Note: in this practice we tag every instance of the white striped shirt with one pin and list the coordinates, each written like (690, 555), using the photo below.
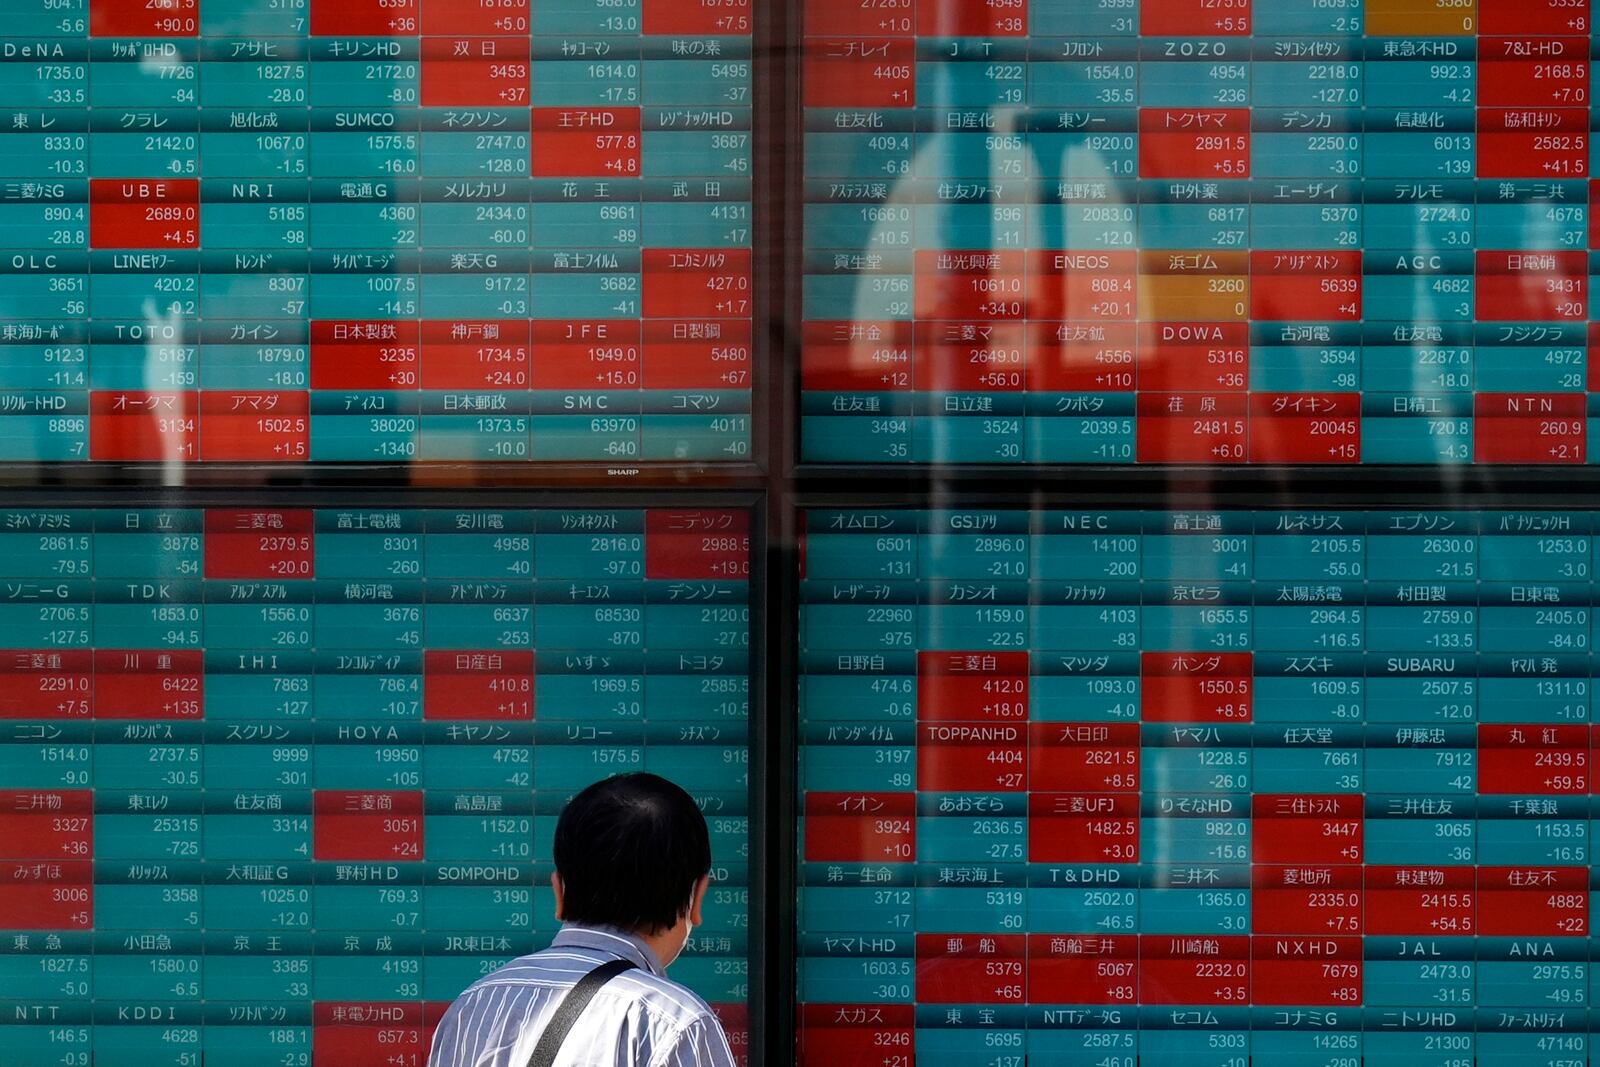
(638, 1019)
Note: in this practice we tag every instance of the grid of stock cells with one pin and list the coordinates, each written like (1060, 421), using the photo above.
(1105, 787)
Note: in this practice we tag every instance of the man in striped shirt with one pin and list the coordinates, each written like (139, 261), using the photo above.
(633, 861)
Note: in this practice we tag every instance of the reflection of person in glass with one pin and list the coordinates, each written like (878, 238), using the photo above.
(633, 862)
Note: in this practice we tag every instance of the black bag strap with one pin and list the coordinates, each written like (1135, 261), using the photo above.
(572, 1005)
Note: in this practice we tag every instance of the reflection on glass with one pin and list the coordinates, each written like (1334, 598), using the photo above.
(376, 231)
(1195, 232)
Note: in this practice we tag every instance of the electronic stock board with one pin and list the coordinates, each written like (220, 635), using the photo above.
(1098, 787)
(1197, 232)
(276, 784)
(375, 231)
(1076, 786)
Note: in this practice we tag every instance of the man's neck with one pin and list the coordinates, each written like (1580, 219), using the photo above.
(664, 943)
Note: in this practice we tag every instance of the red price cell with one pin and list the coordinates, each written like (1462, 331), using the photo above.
(1306, 900)
(46, 684)
(1530, 428)
(859, 357)
(1208, 687)
(1592, 355)
(144, 18)
(697, 544)
(1200, 357)
(1533, 758)
(697, 354)
(1323, 971)
(1192, 428)
(144, 213)
(1069, 357)
(970, 285)
(698, 18)
(1529, 142)
(860, 72)
(1533, 16)
(1194, 970)
(972, 357)
(1533, 902)
(972, 18)
(479, 18)
(735, 1020)
(134, 426)
(971, 968)
(975, 757)
(1083, 968)
(1194, 18)
(1305, 427)
(255, 427)
(1411, 901)
(253, 545)
(475, 354)
(1532, 286)
(1533, 71)
(1194, 142)
(861, 827)
(1088, 757)
(980, 686)
(490, 685)
(586, 142)
(1083, 827)
(1307, 828)
(50, 895)
(370, 1033)
(876, 18)
(476, 71)
(367, 18)
(165, 684)
(47, 824)
(367, 825)
(1300, 286)
(365, 354)
(1082, 286)
(705, 283)
(856, 1035)
(594, 355)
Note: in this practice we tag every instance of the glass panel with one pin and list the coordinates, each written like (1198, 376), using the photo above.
(1214, 232)
(376, 231)
(277, 784)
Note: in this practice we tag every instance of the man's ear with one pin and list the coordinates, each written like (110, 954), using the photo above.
(561, 895)
(697, 901)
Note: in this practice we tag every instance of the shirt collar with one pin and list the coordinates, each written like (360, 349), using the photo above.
(612, 939)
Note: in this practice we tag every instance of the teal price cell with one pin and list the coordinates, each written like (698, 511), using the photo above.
(479, 908)
(360, 977)
(1418, 840)
(363, 626)
(572, 767)
(386, 691)
(479, 767)
(257, 838)
(478, 839)
(1181, 911)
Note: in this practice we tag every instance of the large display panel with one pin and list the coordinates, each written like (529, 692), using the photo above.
(277, 783)
(1202, 787)
(1197, 232)
(284, 231)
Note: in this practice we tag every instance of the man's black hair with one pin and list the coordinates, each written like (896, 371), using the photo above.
(630, 850)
